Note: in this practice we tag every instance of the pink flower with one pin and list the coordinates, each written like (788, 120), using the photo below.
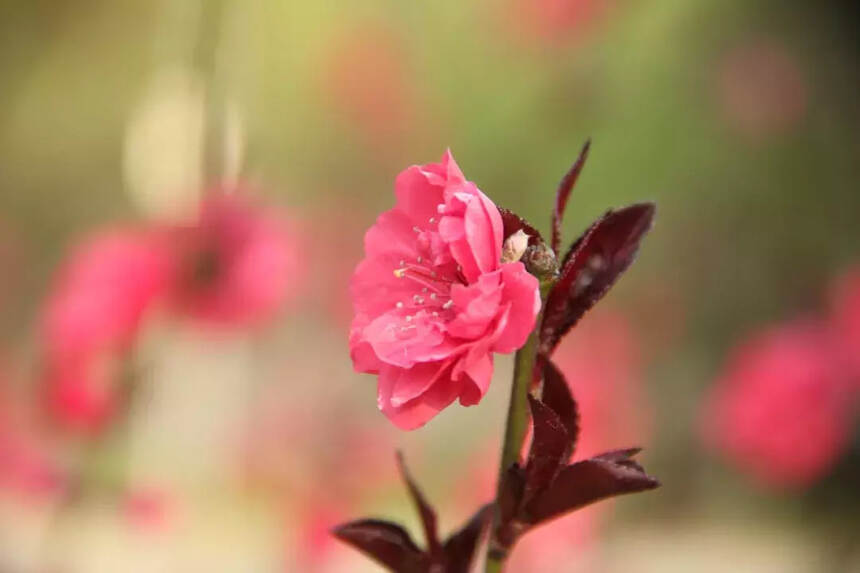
(432, 299)
(148, 509)
(781, 409)
(554, 20)
(91, 317)
(236, 265)
(26, 466)
(103, 291)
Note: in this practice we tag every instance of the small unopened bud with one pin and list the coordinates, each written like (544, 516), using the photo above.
(541, 262)
(515, 247)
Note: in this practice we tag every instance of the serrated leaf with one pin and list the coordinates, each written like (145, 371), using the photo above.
(425, 511)
(591, 268)
(550, 443)
(586, 482)
(557, 395)
(460, 547)
(386, 543)
(563, 194)
(513, 223)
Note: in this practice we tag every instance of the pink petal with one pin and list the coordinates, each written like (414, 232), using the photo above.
(402, 340)
(418, 195)
(484, 231)
(477, 306)
(364, 359)
(412, 414)
(413, 382)
(522, 290)
(479, 373)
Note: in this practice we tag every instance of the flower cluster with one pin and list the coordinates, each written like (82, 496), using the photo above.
(231, 267)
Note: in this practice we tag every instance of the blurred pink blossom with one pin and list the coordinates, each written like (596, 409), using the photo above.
(555, 20)
(316, 550)
(432, 300)
(762, 89)
(91, 317)
(781, 409)
(237, 264)
(148, 509)
(27, 467)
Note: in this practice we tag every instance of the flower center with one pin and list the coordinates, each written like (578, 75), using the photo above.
(434, 284)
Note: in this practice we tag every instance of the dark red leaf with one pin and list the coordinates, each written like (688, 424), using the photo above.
(550, 443)
(599, 258)
(563, 193)
(513, 223)
(460, 546)
(620, 456)
(586, 482)
(385, 542)
(428, 515)
(556, 394)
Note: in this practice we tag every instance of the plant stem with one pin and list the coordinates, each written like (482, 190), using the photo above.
(515, 426)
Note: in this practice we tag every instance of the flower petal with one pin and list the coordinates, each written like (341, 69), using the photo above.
(522, 290)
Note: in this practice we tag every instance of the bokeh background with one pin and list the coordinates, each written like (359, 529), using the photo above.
(148, 432)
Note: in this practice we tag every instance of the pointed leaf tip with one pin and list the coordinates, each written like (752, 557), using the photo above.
(549, 446)
(563, 194)
(557, 395)
(425, 510)
(460, 546)
(385, 542)
(588, 481)
(590, 268)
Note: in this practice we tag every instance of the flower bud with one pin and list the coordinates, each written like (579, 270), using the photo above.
(541, 262)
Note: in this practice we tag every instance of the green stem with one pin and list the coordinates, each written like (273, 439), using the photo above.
(515, 428)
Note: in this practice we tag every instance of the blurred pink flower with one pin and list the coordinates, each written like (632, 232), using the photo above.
(316, 548)
(147, 509)
(103, 290)
(83, 393)
(90, 319)
(762, 89)
(432, 299)
(27, 468)
(555, 20)
(237, 264)
(781, 410)
(846, 319)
